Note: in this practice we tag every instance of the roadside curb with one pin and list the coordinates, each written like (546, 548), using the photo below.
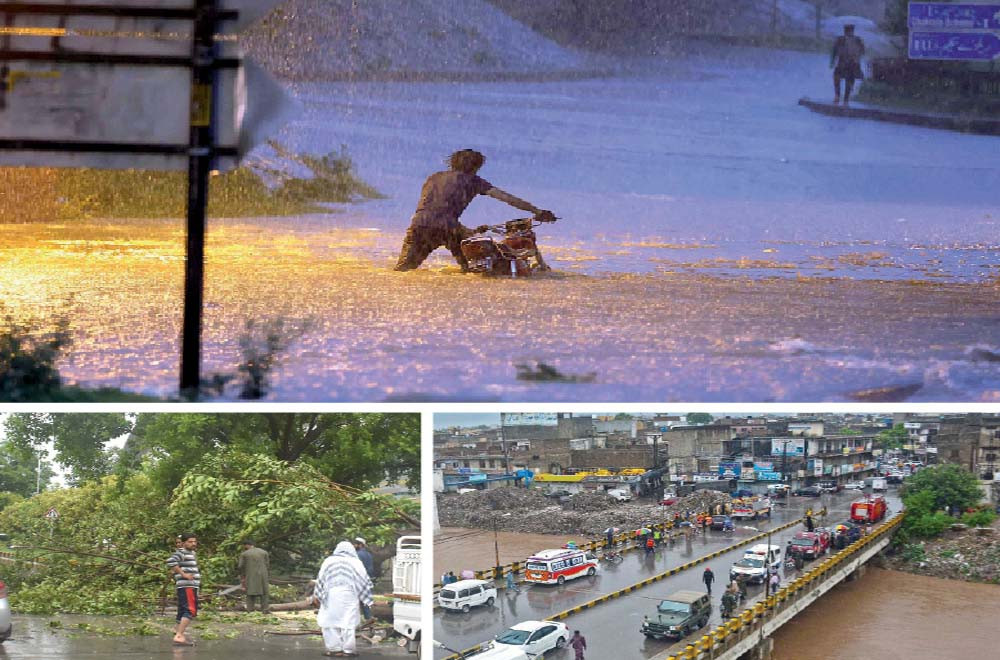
(979, 126)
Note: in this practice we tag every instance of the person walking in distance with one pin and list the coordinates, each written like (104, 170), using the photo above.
(708, 577)
(183, 565)
(845, 59)
(579, 644)
(254, 569)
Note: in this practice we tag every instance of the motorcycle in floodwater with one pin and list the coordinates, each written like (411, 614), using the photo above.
(516, 254)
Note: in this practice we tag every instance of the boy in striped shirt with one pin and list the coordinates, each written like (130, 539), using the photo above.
(183, 565)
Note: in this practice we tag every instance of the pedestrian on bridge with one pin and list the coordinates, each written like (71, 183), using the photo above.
(512, 583)
(649, 546)
(810, 525)
(708, 577)
(579, 643)
(610, 534)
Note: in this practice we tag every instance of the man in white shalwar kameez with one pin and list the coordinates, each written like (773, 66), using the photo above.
(341, 586)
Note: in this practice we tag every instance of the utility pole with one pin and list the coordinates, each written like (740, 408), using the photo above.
(496, 543)
(38, 475)
(503, 445)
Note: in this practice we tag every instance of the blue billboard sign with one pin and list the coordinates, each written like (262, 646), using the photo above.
(768, 476)
(967, 46)
(729, 470)
(953, 16)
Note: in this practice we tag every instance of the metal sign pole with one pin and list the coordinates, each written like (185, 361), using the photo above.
(200, 157)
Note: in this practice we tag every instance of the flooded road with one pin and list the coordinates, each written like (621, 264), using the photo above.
(35, 639)
(894, 616)
(718, 243)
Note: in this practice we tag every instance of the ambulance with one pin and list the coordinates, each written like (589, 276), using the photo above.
(557, 566)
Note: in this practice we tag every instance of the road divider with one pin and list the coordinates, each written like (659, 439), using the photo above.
(565, 614)
(744, 623)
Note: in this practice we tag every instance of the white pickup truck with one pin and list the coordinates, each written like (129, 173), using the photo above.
(406, 591)
(620, 494)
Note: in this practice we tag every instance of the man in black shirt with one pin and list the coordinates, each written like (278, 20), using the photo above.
(443, 198)
(847, 52)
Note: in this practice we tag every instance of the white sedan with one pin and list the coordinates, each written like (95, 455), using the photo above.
(535, 637)
(855, 485)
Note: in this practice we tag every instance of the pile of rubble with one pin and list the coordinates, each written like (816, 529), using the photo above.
(588, 514)
(962, 554)
(589, 501)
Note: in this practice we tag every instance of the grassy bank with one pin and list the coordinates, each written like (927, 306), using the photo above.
(49, 194)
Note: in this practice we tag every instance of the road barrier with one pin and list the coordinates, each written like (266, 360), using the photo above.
(565, 614)
(630, 541)
(743, 631)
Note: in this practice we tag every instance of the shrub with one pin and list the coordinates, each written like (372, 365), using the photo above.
(980, 518)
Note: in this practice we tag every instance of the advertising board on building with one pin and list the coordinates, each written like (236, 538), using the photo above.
(789, 446)
(529, 419)
(729, 470)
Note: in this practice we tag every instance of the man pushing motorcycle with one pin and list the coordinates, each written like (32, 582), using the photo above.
(445, 195)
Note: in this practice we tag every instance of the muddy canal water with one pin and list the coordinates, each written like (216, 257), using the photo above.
(888, 615)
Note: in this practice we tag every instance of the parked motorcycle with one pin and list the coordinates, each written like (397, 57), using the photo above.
(613, 557)
(514, 255)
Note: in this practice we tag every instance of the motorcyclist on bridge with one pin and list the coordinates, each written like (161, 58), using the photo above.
(444, 197)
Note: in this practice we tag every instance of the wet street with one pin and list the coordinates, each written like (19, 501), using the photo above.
(35, 639)
(612, 628)
(717, 243)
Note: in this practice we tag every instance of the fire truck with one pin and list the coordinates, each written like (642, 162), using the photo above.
(869, 510)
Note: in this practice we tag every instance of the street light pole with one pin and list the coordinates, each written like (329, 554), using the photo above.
(496, 542)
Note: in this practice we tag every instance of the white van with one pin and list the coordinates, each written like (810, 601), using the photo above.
(465, 594)
(557, 566)
(757, 563)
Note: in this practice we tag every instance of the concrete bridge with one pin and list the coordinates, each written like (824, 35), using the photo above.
(747, 634)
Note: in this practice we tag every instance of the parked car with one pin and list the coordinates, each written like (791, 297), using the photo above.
(5, 617)
(558, 494)
(810, 544)
(534, 637)
(855, 485)
(668, 500)
(808, 491)
(830, 486)
(722, 522)
(741, 492)
(466, 594)
(678, 615)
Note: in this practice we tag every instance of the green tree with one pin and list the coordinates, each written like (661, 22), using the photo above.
(79, 439)
(20, 471)
(895, 16)
(621, 416)
(941, 487)
(359, 450)
(893, 438)
(106, 551)
(699, 418)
